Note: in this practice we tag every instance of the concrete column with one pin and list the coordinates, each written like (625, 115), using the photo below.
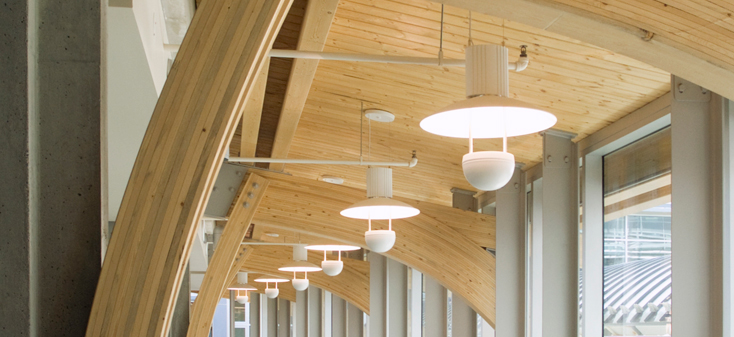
(284, 317)
(338, 317)
(302, 314)
(559, 223)
(52, 197)
(434, 308)
(510, 272)
(378, 297)
(696, 127)
(255, 314)
(314, 312)
(463, 318)
(180, 319)
(355, 321)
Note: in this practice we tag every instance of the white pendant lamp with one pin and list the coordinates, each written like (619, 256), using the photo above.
(241, 285)
(334, 267)
(271, 292)
(488, 112)
(379, 206)
(300, 264)
(300, 284)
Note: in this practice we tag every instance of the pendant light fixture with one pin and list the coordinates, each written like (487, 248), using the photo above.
(333, 267)
(379, 206)
(241, 285)
(488, 112)
(271, 292)
(300, 264)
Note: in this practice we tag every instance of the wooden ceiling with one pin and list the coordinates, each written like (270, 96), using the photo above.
(586, 87)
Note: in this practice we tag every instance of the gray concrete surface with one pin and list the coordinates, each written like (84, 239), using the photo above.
(50, 180)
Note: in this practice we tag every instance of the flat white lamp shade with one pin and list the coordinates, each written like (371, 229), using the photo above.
(332, 268)
(272, 292)
(488, 170)
(379, 241)
(300, 266)
(380, 209)
(300, 284)
(488, 116)
(333, 248)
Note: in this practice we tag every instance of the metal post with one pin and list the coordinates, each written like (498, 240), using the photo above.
(510, 272)
(696, 224)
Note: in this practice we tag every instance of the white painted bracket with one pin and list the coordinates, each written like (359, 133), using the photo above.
(684, 91)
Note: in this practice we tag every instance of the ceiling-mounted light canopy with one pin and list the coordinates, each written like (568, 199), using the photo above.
(379, 206)
(488, 112)
(241, 283)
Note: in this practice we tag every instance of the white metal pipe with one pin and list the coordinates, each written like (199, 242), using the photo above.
(363, 57)
(410, 163)
(520, 65)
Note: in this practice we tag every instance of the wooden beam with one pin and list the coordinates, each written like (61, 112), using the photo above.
(426, 242)
(242, 257)
(352, 284)
(180, 156)
(251, 115)
(314, 30)
(219, 273)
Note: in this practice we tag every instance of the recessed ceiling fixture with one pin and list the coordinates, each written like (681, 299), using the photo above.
(271, 292)
(300, 264)
(379, 206)
(488, 112)
(332, 268)
(241, 285)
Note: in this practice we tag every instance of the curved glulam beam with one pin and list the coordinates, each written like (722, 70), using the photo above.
(426, 242)
(183, 148)
(352, 284)
(227, 254)
(690, 58)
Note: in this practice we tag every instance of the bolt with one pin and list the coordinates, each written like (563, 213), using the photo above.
(550, 159)
(231, 189)
(681, 87)
(214, 189)
(250, 195)
(517, 185)
(239, 173)
(255, 185)
(565, 159)
(246, 204)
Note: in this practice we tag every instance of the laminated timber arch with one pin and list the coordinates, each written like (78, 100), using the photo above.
(690, 39)
(427, 242)
(183, 148)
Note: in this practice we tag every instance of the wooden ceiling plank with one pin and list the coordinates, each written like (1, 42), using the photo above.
(252, 112)
(180, 155)
(218, 273)
(314, 30)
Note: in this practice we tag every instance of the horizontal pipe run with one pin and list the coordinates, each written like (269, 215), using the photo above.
(518, 66)
(410, 163)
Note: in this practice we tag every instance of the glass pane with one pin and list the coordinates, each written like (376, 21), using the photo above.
(637, 239)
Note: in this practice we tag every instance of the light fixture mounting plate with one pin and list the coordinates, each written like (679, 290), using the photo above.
(378, 115)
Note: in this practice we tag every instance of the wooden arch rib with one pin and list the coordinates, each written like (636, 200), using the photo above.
(182, 151)
(352, 285)
(675, 38)
(427, 242)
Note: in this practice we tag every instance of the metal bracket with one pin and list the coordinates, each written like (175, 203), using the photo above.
(556, 150)
(224, 191)
(684, 91)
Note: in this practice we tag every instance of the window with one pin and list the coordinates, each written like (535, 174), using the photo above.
(637, 238)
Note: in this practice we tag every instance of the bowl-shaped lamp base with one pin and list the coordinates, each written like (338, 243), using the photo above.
(379, 241)
(488, 170)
